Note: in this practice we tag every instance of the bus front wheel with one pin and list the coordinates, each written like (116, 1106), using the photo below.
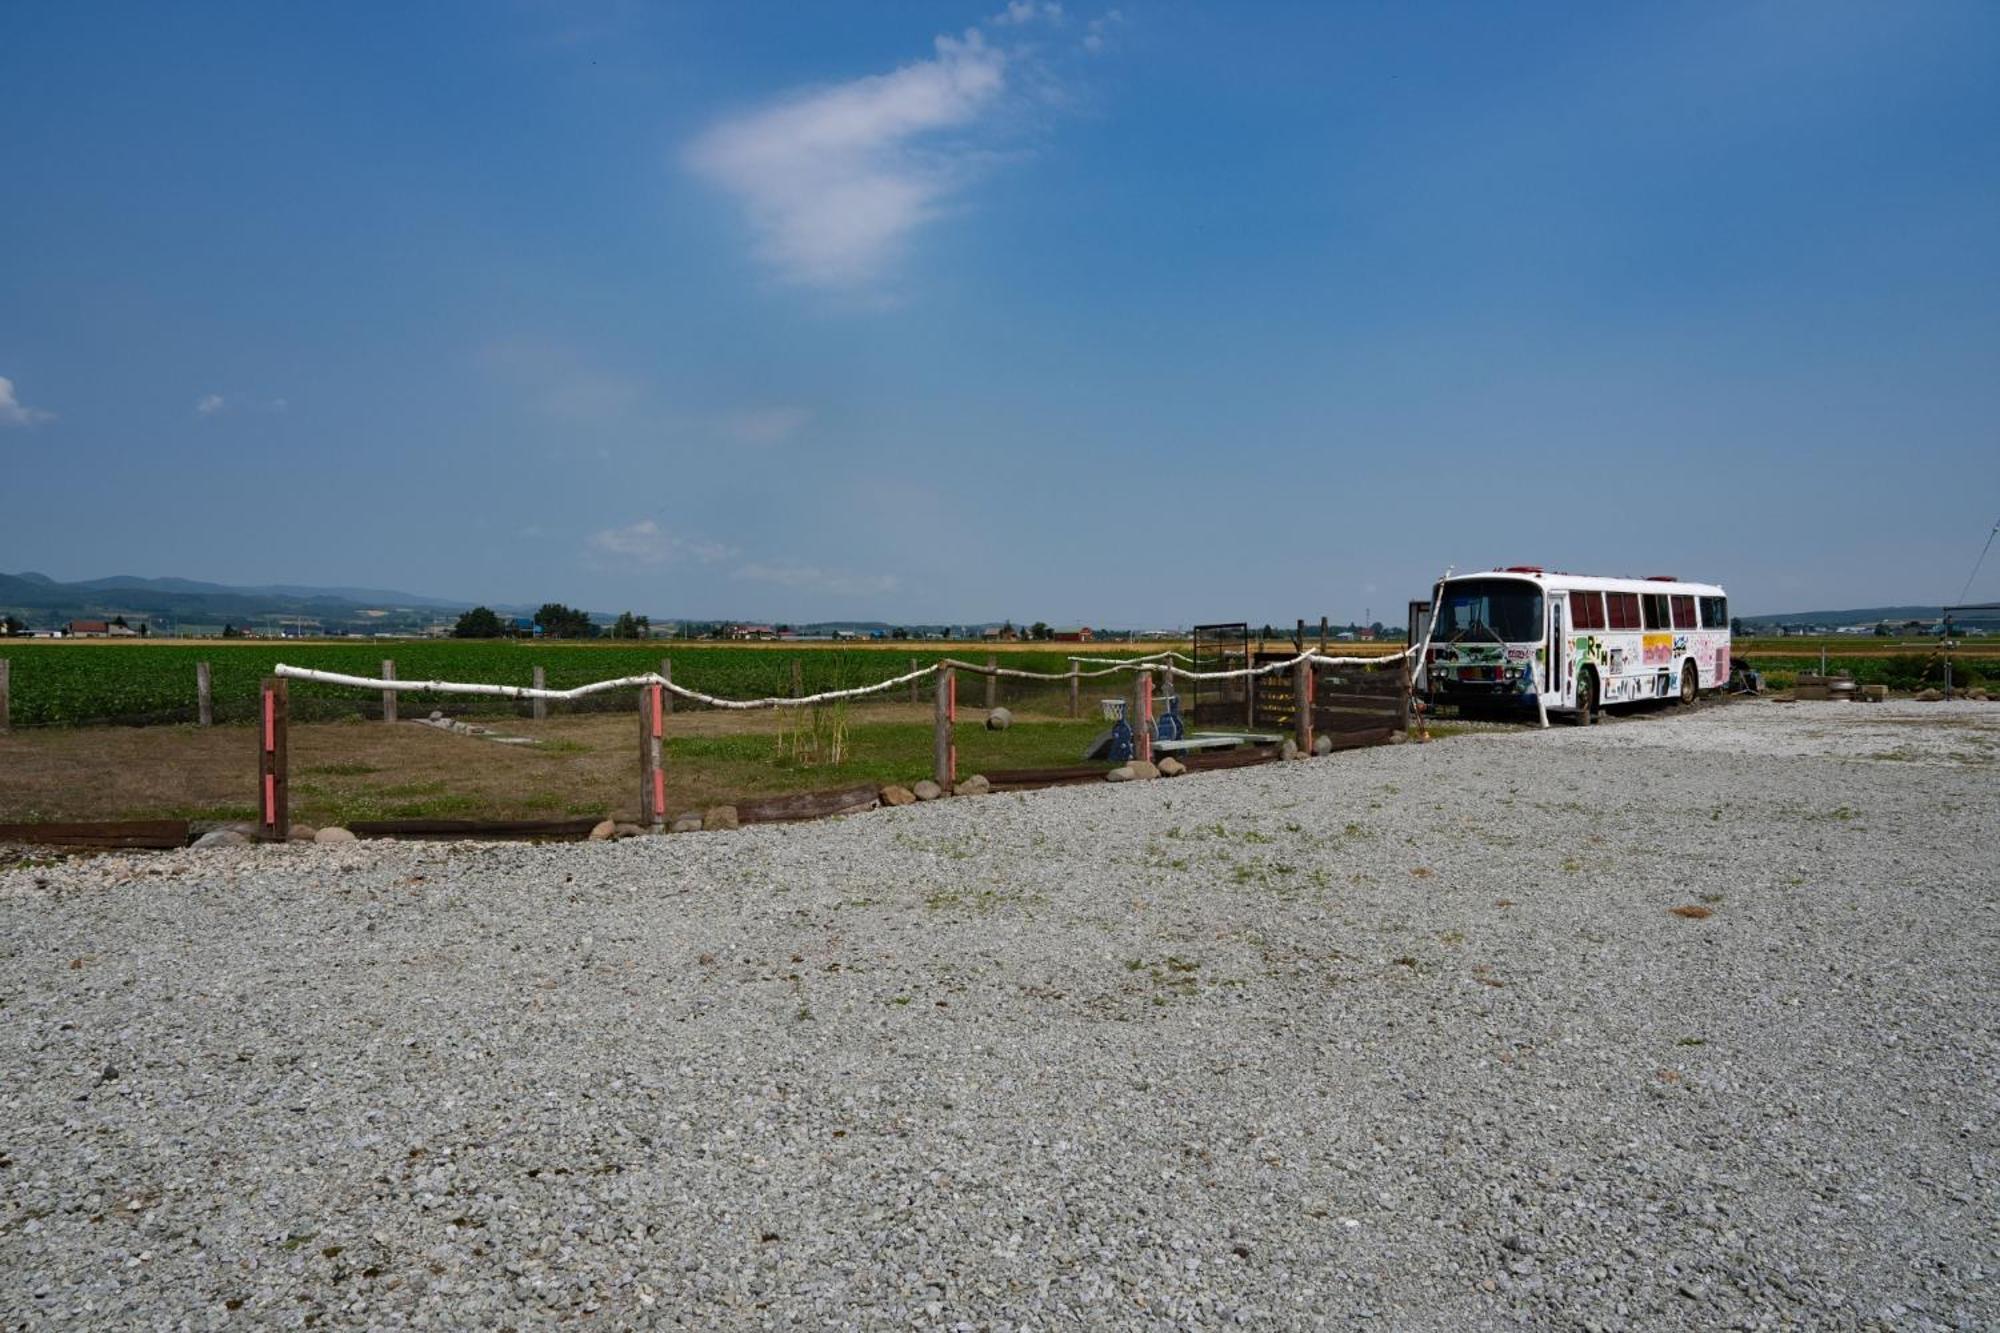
(1690, 682)
(1586, 697)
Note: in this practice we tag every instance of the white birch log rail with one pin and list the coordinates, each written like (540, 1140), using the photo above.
(1153, 663)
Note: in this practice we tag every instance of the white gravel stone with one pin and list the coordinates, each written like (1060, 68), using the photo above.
(1406, 1036)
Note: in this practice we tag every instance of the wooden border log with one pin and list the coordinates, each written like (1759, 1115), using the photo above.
(158, 833)
(540, 707)
(274, 822)
(204, 695)
(1016, 779)
(388, 696)
(502, 830)
(808, 804)
(1200, 761)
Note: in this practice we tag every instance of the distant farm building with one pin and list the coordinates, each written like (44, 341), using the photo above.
(98, 629)
(1072, 634)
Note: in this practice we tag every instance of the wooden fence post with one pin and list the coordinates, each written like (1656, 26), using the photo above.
(667, 674)
(540, 707)
(992, 682)
(1404, 691)
(204, 696)
(1322, 633)
(274, 822)
(388, 696)
(6, 703)
(1142, 730)
(1302, 707)
(1075, 690)
(652, 775)
(944, 710)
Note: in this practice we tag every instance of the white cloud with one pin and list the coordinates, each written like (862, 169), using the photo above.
(647, 543)
(835, 179)
(215, 404)
(1021, 12)
(14, 412)
(767, 425)
(813, 577)
(1100, 29)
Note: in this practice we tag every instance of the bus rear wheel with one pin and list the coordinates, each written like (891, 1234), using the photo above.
(1690, 682)
(1586, 697)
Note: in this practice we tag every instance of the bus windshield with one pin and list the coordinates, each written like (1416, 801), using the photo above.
(1498, 610)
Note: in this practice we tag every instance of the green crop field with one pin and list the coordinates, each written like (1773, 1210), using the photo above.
(58, 683)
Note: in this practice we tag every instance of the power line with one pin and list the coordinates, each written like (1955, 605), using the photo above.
(1980, 561)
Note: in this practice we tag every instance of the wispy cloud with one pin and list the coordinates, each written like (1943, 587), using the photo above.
(14, 412)
(216, 404)
(766, 425)
(817, 579)
(835, 179)
(1019, 13)
(647, 543)
(1099, 31)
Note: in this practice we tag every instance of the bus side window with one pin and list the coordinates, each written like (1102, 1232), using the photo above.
(1624, 607)
(1713, 614)
(1655, 604)
(1586, 610)
(1684, 611)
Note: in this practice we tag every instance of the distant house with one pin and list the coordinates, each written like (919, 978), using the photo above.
(1072, 634)
(98, 629)
(752, 632)
(1000, 634)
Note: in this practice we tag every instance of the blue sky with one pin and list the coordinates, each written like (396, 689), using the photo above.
(1114, 313)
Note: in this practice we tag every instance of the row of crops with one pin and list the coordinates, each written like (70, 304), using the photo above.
(58, 684)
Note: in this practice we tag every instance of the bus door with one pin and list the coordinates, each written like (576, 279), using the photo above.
(1557, 650)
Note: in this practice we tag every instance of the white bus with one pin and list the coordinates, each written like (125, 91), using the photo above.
(1577, 642)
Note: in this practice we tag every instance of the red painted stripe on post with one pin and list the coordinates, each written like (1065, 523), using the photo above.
(657, 710)
(951, 704)
(271, 799)
(270, 722)
(660, 792)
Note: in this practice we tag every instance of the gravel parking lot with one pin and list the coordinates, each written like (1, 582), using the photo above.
(1410, 1035)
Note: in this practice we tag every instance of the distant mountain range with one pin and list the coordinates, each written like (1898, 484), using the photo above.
(170, 603)
(174, 604)
(1865, 615)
